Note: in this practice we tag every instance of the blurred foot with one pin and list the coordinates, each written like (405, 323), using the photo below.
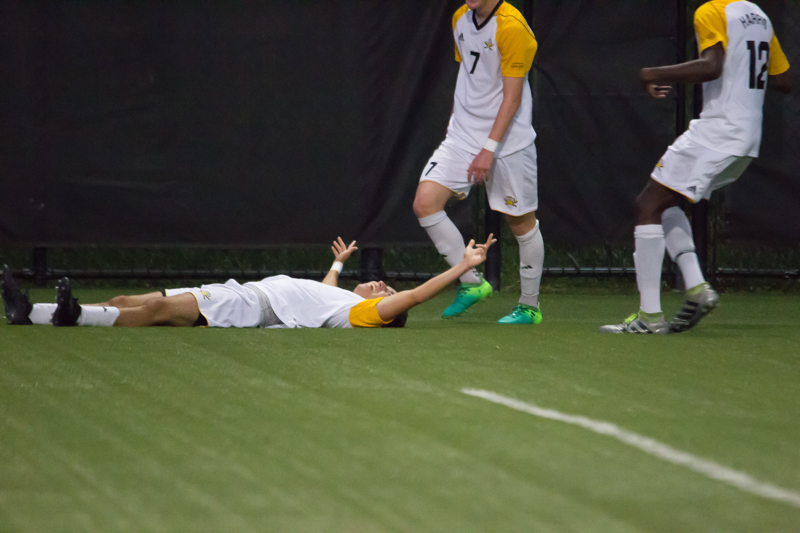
(16, 304)
(68, 311)
(700, 301)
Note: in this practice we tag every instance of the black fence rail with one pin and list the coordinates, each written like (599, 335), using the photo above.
(725, 251)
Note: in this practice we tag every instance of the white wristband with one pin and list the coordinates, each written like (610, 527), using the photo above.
(490, 145)
(337, 266)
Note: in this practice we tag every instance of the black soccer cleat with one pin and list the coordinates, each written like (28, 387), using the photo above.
(702, 300)
(67, 310)
(16, 304)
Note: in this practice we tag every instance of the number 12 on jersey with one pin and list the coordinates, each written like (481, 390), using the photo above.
(758, 82)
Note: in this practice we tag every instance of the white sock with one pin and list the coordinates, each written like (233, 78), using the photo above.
(42, 314)
(680, 245)
(649, 258)
(93, 315)
(448, 242)
(531, 262)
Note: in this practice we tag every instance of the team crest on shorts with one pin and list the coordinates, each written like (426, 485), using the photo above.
(510, 201)
(490, 45)
(206, 295)
(660, 163)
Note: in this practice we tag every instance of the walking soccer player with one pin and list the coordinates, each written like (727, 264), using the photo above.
(739, 58)
(490, 140)
(274, 302)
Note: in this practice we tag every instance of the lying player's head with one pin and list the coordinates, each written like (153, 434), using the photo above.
(374, 289)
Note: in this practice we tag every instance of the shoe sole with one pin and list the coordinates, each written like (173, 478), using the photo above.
(62, 300)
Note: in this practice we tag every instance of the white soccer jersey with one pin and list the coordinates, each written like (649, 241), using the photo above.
(302, 303)
(503, 45)
(733, 104)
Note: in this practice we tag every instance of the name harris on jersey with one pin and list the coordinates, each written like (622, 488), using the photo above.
(753, 19)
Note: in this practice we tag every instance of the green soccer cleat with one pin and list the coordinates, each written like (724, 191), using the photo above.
(468, 295)
(523, 314)
(639, 323)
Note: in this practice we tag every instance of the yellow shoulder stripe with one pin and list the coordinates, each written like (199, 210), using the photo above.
(515, 41)
(458, 14)
(710, 26)
(365, 315)
(778, 64)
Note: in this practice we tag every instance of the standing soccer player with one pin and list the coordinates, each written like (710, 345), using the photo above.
(739, 57)
(490, 140)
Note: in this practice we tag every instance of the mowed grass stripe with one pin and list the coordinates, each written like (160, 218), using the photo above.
(365, 430)
(318, 449)
(711, 469)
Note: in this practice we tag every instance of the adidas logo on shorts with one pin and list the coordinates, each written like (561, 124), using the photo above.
(692, 189)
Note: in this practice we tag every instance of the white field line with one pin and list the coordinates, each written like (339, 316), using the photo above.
(711, 469)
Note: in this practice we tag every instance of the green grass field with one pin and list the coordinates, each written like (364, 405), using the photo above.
(103, 429)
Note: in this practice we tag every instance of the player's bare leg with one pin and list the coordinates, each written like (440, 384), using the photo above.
(180, 310)
(177, 311)
(531, 263)
(123, 301)
(429, 207)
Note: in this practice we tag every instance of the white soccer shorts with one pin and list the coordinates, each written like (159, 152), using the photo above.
(512, 183)
(695, 171)
(228, 305)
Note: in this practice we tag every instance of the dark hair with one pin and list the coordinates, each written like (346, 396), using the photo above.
(399, 321)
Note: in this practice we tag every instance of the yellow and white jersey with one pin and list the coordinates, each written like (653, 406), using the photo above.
(733, 104)
(503, 45)
(302, 303)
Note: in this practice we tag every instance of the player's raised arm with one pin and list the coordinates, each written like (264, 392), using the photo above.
(340, 253)
(391, 306)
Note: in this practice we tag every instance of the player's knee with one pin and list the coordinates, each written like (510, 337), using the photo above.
(423, 206)
(158, 309)
(122, 301)
(645, 210)
(117, 301)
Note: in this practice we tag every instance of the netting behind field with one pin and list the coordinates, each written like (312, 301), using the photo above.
(598, 138)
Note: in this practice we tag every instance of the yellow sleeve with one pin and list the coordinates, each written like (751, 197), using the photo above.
(516, 44)
(778, 64)
(365, 315)
(710, 26)
(458, 14)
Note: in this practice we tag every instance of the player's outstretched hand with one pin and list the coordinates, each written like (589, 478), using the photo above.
(475, 254)
(653, 88)
(657, 91)
(342, 252)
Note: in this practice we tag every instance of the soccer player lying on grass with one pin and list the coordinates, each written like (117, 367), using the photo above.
(274, 302)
